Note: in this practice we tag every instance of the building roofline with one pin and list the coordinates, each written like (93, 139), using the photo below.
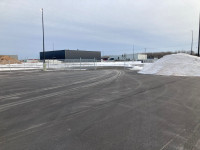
(71, 50)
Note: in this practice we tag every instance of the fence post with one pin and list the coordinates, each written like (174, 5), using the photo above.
(94, 63)
(65, 64)
(124, 64)
(9, 65)
(53, 64)
(73, 65)
(80, 63)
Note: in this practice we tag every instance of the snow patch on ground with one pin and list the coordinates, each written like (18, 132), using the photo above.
(174, 65)
(136, 68)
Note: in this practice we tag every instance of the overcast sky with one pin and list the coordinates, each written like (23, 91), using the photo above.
(110, 26)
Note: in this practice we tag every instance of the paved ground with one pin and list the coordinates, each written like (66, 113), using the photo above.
(98, 110)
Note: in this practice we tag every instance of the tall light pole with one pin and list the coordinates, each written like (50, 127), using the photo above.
(192, 43)
(44, 65)
(199, 37)
(133, 52)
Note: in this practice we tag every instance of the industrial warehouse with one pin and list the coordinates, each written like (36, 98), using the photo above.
(72, 54)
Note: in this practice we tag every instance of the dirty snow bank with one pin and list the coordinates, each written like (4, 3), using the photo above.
(174, 65)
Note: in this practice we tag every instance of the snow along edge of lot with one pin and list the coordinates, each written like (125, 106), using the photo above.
(174, 65)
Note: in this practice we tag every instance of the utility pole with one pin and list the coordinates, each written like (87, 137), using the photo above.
(44, 65)
(145, 50)
(133, 52)
(192, 43)
(199, 37)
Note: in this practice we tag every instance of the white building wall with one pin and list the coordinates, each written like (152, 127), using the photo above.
(129, 57)
(141, 56)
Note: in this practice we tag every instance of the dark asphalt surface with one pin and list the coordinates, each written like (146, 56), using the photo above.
(98, 110)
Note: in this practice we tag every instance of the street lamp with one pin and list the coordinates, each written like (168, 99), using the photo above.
(199, 37)
(44, 65)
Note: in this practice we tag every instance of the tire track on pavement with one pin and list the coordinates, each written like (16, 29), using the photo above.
(51, 88)
(12, 104)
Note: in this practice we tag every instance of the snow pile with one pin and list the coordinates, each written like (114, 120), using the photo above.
(174, 65)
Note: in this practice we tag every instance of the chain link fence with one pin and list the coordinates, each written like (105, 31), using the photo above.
(71, 64)
(66, 64)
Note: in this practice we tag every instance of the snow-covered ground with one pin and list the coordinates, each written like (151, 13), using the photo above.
(174, 65)
(71, 65)
(23, 66)
(136, 67)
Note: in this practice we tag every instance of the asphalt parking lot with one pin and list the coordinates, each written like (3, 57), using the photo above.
(107, 109)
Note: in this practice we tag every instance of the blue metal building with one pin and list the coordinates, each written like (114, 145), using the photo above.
(71, 54)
